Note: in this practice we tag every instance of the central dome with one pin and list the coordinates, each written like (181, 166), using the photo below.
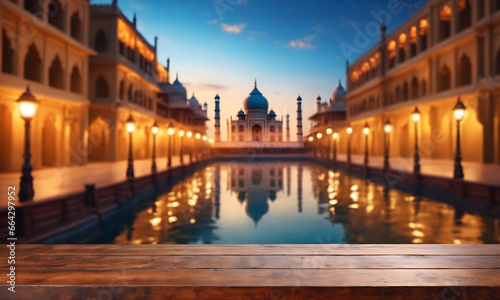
(255, 102)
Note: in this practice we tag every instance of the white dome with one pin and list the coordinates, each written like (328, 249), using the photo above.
(178, 88)
(339, 93)
(193, 102)
(255, 102)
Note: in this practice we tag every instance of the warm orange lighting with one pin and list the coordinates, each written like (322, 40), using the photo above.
(205, 138)
(319, 135)
(311, 139)
(329, 131)
(388, 127)
(335, 135)
(416, 115)
(392, 49)
(181, 133)
(366, 130)
(130, 124)
(171, 131)
(413, 35)
(189, 134)
(445, 14)
(28, 105)
(402, 40)
(459, 111)
(424, 27)
(155, 128)
(349, 130)
(197, 136)
(211, 141)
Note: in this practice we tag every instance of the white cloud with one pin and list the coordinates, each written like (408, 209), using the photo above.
(212, 21)
(235, 28)
(303, 43)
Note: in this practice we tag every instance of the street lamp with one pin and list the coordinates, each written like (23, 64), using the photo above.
(171, 132)
(181, 135)
(349, 132)
(416, 118)
(319, 136)
(154, 130)
(189, 135)
(335, 138)
(197, 136)
(28, 106)
(130, 129)
(366, 132)
(329, 132)
(387, 130)
(459, 113)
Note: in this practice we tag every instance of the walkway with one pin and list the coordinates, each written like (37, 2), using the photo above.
(254, 272)
(474, 172)
(52, 182)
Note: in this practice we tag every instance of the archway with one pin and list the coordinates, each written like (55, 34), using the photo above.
(6, 138)
(49, 141)
(7, 54)
(33, 64)
(98, 140)
(256, 133)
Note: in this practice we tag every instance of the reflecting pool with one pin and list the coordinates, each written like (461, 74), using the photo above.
(294, 203)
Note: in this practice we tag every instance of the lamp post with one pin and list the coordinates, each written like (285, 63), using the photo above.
(459, 113)
(154, 130)
(349, 132)
(197, 137)
(387, 130)
(171, 132)
(181, 135)
(130, 129)
(319, 136)
(329, 132)
(28, 106)
(366, 132)
(189, 134)
(416, 118)
(335, 138)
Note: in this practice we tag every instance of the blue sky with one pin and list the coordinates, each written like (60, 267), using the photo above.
(291, 46)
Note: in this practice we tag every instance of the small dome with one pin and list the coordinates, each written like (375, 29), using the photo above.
(272, 113)
(255, 101)
(217, 97)
(241, 112)
(177, 87)
(193, 102)
(339, 93)
(299, 98)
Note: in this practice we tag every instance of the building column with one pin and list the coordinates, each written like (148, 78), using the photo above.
(217, 121)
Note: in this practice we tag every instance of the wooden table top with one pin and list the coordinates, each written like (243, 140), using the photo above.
(254, 272)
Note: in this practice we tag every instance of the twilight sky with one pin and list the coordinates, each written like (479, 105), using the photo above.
(292, 47)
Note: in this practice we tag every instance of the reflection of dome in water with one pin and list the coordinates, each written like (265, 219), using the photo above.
(242, 196)
(255, 102)
(272, 195)
(257, 205)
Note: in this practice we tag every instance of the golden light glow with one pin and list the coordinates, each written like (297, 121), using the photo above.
(388, 128)
(155, 128)
(28, 109)
(205, 138)
(413, 35)
(162, 73)
(349, 130)
(392, 49)
(366, 130)
(415, 115)
(311, 139)
(402, 40)
(197, 136)
(329, 131)
(365, 67)
(155, 222)
(333, 202)
(126, 34)
(172, 219)
(181, 133)
(445, 14)
(335, 135)
(130, 126)
(189, 134)
(211, 141)
(171, 131)
(424, 27)
(319, 135)
(459, 114)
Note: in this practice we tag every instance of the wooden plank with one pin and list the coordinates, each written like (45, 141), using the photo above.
(259, 277)
(274, 293)
(255, 262)
(320, 249)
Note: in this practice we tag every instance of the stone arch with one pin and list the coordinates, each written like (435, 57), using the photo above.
(98, 140)
(405, 91)
(256, 133)
(398, 94)
(56, 74)
(445, 17)
(101, 41)
(7, 54)
(6, 138)
(76, 80)
(76, 26)
(464, 71)
(33, 64)
(56, 14)
(101, 87)
(49, 141)
(414, 88)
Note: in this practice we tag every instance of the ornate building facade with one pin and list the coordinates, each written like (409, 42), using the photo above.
(449, 49)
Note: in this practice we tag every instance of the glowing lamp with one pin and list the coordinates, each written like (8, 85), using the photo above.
(366, 129)
(28, 105)
(319, 135)
(335, 135)
(311, 139)
(197, 136)
(155, 128)
(388, 127)
(415, 115)
(205, 138)
(349, 130)
(329, 131)
(189, 134)
(130, 124)
(459, 110)
(181, 133)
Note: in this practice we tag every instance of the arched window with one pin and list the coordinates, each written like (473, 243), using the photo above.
(101, 87)
(56, 14)
(398, 94)
(122, 90)
(56, 74)
(271, 128)
(7, 54)
(423, 33)
(402, 47)
(76, 80)
(76, 26)
(34, 7)
(101, 41)
(405, 91)
(464, 71)
(444, 78)
(33, 64)
(413, 41)
(129, 93)
(391, 52)
(414, 88)
(464, 15)
(445, 23)
(424, 87)
(241, 128)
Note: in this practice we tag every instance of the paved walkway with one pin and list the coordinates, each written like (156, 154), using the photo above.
(473, 172)
(51, 182)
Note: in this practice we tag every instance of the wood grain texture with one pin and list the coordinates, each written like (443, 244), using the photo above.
(255, 272)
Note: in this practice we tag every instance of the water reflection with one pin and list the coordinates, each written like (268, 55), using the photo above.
(283, 202)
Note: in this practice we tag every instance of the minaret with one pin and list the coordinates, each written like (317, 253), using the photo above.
(299, 120)
(318, 103)
(217, 119)
(168, 69)
(135, 21)
(299, 188)
(288, 128)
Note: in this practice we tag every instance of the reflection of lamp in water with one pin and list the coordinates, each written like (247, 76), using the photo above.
(181, 135)
(329, 132)
(130, 128)
(366, 132)
(349, 132)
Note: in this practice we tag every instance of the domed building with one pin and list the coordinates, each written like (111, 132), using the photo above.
(330, 114)
(254, 122)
